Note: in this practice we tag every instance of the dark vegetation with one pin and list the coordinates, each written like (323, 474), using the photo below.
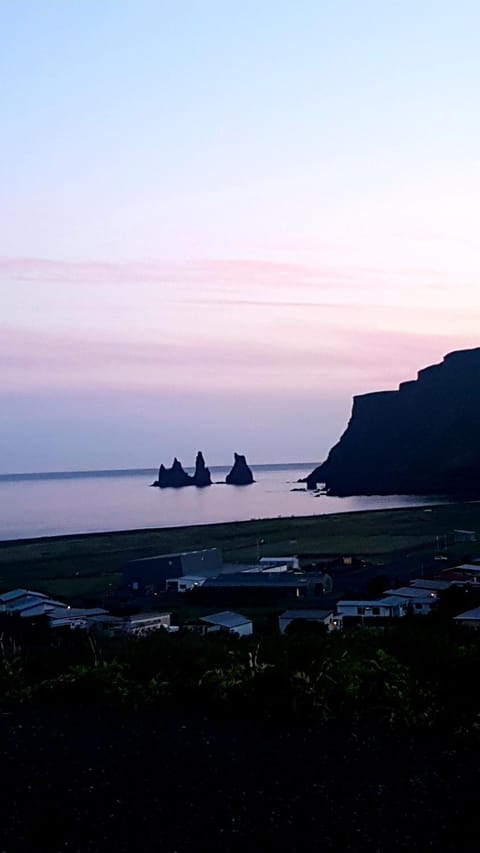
(419, 674)
(367, 741)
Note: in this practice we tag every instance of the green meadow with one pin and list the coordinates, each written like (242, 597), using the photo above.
(91, 564)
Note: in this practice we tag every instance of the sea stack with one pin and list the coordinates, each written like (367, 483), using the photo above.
(240, 475)
(172, 478)
(421, 439)
(176, 477)
(202, 476)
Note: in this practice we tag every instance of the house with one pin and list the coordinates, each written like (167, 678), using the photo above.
(18, 600)
(149, 574)
(184, 584)
(26, 602)
(289, 562)
(391, 607)
(470, 618)
(234, 623)
(141, 624)
(321, 617)
(73, 617)
(420, 601)
(266, 586)
(467, 573)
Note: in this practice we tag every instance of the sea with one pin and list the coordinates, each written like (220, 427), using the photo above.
(69, 502)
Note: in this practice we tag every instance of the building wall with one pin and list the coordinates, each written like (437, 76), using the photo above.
(244, 630)
(376, 610)
(140, 574)
(197, 562)
(153, 572)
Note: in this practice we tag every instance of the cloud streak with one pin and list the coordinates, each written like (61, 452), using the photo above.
(355, 361)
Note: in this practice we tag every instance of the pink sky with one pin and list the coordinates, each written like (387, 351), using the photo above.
(218, 224)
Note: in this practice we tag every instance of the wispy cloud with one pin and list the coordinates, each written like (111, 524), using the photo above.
(357, 361)
(252, 271)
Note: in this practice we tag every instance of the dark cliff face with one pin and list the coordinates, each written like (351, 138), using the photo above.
(240, 475)
(422, 439)
(176, 477)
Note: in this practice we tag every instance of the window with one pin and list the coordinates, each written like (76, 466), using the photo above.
(376, 611)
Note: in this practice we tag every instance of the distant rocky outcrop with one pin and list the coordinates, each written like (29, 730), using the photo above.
(202, 474)
(176, 477)
(240, 475)
(422, 439)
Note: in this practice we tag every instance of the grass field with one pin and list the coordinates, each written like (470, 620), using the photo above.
(90, 564)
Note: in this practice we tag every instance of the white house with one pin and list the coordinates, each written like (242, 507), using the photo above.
(234, 623)
(144, 623)
(322, 617)
(391, 607)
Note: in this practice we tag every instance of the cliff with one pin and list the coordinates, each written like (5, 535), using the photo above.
(422, 439)
(176, 477)
(240, 475)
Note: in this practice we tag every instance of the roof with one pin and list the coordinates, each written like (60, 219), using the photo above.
(265, 579)
(107, 619)
(226, 619)
(40, 608)
(32, 602)
(411, 592)
(473, 615)
(76, 612)
(468, 567)
(198, 579)
(278, 559)
(137, 617)
(389, 601)
(306, 614)
(419, 583)
(19, 593)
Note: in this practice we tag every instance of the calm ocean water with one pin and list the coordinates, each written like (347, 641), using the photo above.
(53, 504)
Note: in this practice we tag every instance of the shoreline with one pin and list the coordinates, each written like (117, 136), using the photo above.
(87, 566)
(24, 540)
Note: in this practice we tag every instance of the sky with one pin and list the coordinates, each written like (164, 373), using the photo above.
(220, 220)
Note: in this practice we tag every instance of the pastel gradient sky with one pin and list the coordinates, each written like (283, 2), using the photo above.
(220, 220)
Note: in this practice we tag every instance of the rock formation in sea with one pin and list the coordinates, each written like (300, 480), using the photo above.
(176, 477)
(240, 475)
(422, 439)
(202, 474)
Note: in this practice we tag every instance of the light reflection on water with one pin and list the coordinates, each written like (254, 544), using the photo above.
(46, 505)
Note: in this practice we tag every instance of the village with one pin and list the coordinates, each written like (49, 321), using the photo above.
(197, 591)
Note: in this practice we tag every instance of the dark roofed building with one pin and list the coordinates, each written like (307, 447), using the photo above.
(260, 587)
(234, 623)
(321, 617)
(151, 573)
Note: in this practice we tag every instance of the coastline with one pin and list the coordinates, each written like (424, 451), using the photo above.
(91, 564)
